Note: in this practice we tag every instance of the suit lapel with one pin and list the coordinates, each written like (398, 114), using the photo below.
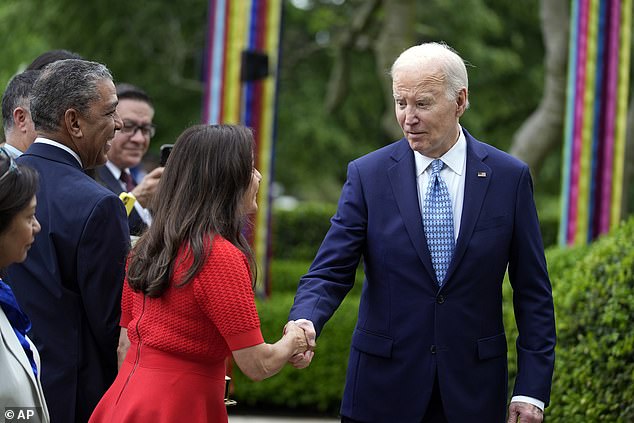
(402, 175)
(107, 179)
(477, 177)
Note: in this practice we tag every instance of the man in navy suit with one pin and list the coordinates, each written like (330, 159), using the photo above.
(429, 344)
(70, 285)
(128, 148)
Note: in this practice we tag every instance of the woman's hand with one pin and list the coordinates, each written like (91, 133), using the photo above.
(297, 337)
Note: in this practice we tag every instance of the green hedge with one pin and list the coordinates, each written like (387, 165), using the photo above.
(285, 276)
(593, 289)
(316, 389)
(594, 305)
(298, 233)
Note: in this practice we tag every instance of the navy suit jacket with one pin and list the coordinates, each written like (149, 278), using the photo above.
(70, 284)
(107, 179)
(408, 330)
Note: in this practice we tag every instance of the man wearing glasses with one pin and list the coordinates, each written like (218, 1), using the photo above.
(128, 147)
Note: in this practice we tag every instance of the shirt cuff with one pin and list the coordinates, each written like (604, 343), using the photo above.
(143, 213)
(521, 398)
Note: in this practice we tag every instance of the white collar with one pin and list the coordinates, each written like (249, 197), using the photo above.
(13, 152)
(454, 158)
(116, 172)
(43, 140)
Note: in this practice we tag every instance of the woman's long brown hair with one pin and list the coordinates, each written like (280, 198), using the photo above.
(200, 194)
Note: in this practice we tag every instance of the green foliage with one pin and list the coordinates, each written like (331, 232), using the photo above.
(298, 233)
(549, 214)
(286, 274)
(595, 352)
(319, 387)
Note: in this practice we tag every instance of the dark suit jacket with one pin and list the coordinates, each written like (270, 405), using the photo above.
(409, 330)
(107, 179)
(70, 284)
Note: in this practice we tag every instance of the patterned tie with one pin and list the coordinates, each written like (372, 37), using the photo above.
(438, 222)
(126, 178)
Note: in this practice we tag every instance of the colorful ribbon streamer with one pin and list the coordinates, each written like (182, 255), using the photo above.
(595, 123)
(237, 28)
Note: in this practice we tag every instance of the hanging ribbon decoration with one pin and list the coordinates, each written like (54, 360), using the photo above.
(595, 124)
(241, 63)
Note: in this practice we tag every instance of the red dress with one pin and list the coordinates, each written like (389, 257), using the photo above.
(175, 367)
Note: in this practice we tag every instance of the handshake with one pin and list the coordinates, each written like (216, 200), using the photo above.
(301, 334)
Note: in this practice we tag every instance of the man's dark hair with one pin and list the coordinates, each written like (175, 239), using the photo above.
(63, 85)
(127, 91)
(17, 95)
(51, 56)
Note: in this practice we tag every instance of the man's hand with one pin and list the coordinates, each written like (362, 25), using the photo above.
(144, 192)
(302, 360)
(523, 412)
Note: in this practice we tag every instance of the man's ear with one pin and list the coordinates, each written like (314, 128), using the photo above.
(461, 102)
(20, 118)
(72, 120)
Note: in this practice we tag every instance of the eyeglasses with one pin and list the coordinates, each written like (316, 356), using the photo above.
(129, 127)
(12, 166)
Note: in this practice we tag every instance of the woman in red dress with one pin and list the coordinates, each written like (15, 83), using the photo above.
(188, 300)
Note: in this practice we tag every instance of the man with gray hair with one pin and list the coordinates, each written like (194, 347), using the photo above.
(19, 132)
(438, 217)
(70, 285)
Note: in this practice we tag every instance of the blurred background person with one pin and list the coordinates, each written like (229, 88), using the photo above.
(51, 56)
(19, 359)
(188, 301)
(19, 132)
(127, 149)
(70, 285)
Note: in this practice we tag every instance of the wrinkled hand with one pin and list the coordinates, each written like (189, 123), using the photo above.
(527, 413)
(302, 360)
(297, 337)
(144, 191)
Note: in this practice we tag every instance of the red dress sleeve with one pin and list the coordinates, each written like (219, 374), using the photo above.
(223, 290)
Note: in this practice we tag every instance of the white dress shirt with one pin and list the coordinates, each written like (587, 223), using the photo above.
(14, 153)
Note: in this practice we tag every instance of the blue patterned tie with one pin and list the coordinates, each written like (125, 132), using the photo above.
(438, 222)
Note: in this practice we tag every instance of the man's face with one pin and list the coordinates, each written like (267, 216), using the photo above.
(98, 126)
(128, 148)
(428, 118)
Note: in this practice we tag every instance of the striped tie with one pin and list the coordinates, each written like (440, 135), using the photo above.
(438, 222)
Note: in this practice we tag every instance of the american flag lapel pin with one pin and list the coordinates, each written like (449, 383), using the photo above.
(482, 174)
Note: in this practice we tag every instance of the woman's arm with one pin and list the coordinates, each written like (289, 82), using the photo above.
(122, 348)
(264, 360)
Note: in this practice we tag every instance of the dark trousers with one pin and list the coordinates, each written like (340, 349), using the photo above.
(434, 413)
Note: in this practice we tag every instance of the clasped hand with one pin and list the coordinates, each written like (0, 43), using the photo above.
(304, 333)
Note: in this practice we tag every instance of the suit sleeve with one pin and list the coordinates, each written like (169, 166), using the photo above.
(532, 299)
(101, 253)
(331, 276)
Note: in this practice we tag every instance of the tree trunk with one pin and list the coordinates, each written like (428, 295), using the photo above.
(337, 89)
(397, 34)
(543, 130)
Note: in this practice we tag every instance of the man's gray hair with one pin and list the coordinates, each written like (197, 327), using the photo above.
(62, 85)
(450, 62)
(17, 95)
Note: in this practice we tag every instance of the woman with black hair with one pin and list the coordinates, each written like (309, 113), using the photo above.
(19, 359)
(188, 301)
